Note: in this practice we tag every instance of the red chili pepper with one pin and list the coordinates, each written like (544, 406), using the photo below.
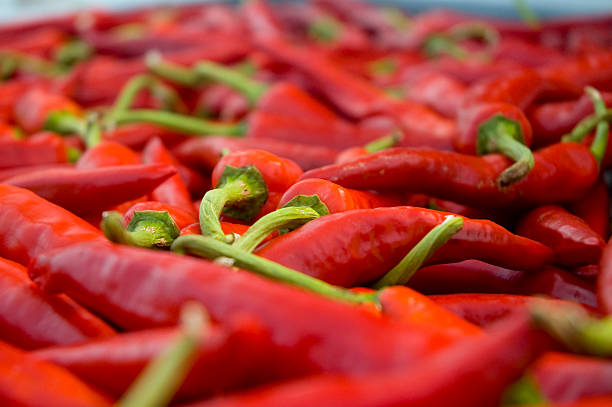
(230, 357)
(26, 313)
(552, 120)
(38, 149)
(34, 106)
(137, 135)
(219, 100)
(337, 198)
(485, 309)
(205, 153)
(562, 172)
(472, 372)
(566, 378)
(39, 42)
(594, 209)
(379, 238)
(30, 225)
(196, 183)
(227, 227)
(573, 241)
(25, 380)
(181, 217)
(526, 53)
(107, 154)
(260, 19)
(576, 73)
(12, 172)
(90, 191)
(557, 283)
(471, 276)
(440, 92)
(172, 191)
(604, 281)
(587, 273)
(307, 345)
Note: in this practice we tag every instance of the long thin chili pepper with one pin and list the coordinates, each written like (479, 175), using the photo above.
(90, 191)
(558, 283)
(573, 241)
(562, 172)
(30, 319)
(379, 238)
(31, 225)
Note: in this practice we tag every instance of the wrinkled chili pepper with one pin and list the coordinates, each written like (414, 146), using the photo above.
(573, 241)
(90, 191)
(379, 238)
(562, 172)
(30, 319)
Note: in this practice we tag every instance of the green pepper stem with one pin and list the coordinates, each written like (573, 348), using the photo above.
(251, 89)
(209, 248)
(432, 241)
(65, 123)
(440, 44)
(525, 391)
(29, 63)
(162, 377)
(72, 52)
(211, 207)
(146, 229)
(383, 142)
(600, 142)
(325, 29)
(172, 72)
(526, 13)
(586, 125)
(283, 218)
(180, 123)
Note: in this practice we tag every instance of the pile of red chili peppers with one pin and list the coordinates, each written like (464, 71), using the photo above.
(325, 203)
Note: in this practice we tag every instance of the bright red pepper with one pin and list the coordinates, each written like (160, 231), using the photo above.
(90, 191)
(25, 380)
(337, 198)
(40, 148)
(107, 154)
(441, 92)
(574, 74)
(604, 280)
(573, 241)
(206, 152)
(237, 228)
(31, 225)
(30, 319)
(137, 135)
(34, 106)
(379, 238)
(181, 217)
(594, 209)
(562, 172)
(229, 357)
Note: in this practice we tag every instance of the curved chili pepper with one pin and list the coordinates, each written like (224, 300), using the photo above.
(576, 73)
(38, 149)
(308, 345)
(137, 135)
(33, 108)
(337, 198)
(230, 357)
(485, 309)
(30, 319)
(90, 191)
(181, 217)
(564, 378)
(472, 372)
(172, 191)
(379, 238)
(557, 283)
(29, 381)
(573, 241)
(107, 154)
(31, 225)
(594, 209)
(562, 172)
(12, 172)
(372, 147)
(205, 153)
(471, 276)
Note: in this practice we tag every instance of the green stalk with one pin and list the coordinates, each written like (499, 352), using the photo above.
(586, 125)
(526, 13)
(241, 193)
(433, 240)
(600, 142)
(384, 142)
(325, 29)
(283, 218)
(251, 89)
(151, 229)
(524, 391)
(162, 377)
(210, 248)
(172, 72)
(180, 123)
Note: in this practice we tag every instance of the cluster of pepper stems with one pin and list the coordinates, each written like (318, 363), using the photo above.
(325, 204)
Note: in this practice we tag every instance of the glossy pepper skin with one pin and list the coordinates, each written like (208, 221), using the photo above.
(107, 154)
(228, 358)
(472, 372)
(25, 380)
(379, 238)
(34, 106)
(31, 319)
(278, 173)
(604, 280)
(575, 244)
(31, 225)
(594, 209)
(565, 378)
(557, 283)
(40, 148)
(337, 198)
(90, 191)
(308, 345)
(173, 191)
(205, 153)
(562, 172)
